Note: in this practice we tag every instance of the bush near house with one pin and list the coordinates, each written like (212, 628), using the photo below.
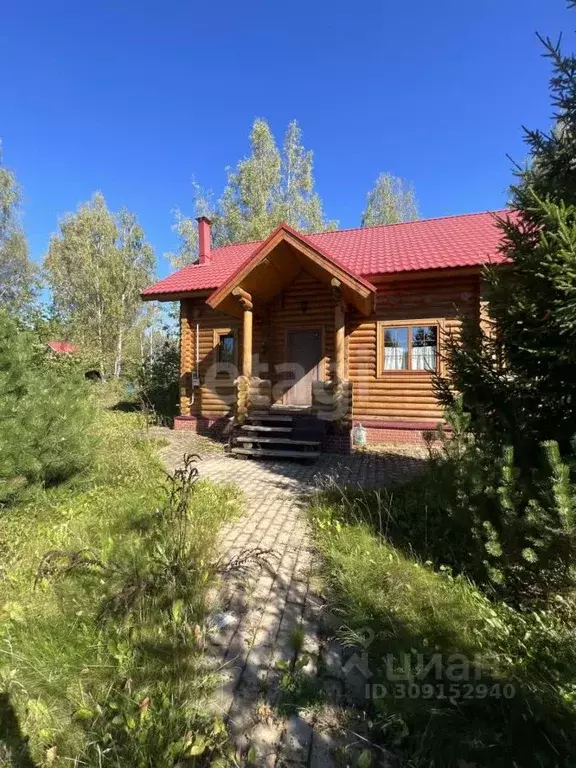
(456, 678)
(46, 414)
(102, 602)
(158, 382)
(473, 511)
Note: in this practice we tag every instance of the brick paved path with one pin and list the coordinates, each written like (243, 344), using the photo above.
(270, 619)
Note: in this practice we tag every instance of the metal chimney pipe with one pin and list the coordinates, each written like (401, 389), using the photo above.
(204, 239)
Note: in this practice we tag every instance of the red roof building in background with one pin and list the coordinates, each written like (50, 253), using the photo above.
(449, 242)
(62, 347)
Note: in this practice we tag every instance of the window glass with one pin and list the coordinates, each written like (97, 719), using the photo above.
(226, 348)
(396, 349)
(424, 347)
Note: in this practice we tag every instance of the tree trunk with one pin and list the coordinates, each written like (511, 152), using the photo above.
(120, 342)
(118, 360)
(100, 341)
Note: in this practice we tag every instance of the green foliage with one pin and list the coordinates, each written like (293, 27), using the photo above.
(17, 273)
(391, 201)
(266, 188)
(97, 265)
(158, 380)
(508, 528)
(46, 414)
(418, 627)
(513, 534)
(517, 378)
(510, 491)
(102, 661)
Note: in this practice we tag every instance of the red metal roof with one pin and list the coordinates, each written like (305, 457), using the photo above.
(452, 241)
(62, 346)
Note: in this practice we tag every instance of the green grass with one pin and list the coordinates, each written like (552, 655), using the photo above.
(406, 615)
(84, 687)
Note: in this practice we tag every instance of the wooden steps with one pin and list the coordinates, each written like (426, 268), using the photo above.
(275, 417)
(275, 435)
(277, 440)
(284, 454)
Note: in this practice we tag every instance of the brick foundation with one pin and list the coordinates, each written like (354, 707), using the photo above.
(210, 425)
(396, 431)
(339, 440)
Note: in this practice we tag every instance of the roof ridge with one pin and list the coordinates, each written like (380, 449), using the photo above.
(414, 221)
(375, 226)
(241, 242)
(366, 251)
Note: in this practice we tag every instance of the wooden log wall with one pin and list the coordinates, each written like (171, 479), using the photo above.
(308, 304)
(216, 395)
(304, 304)
(260, 394)
(404, 396)
(332, 401)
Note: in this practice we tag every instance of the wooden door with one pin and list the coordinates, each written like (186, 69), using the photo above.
(304, 351)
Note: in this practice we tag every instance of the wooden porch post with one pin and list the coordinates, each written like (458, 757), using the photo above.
(339, 332)
(246, 302)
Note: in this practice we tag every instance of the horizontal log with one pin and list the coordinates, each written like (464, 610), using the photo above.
(375, 387)
(260, 401)
(390, 411)
(423, 400)
(403, 402)
(216, 397)
(396, 380)
(368, 398)
(356, 360)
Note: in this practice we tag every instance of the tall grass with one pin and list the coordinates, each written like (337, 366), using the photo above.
(101, 650)
(415, 623)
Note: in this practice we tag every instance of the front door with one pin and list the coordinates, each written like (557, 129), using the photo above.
(304, 352)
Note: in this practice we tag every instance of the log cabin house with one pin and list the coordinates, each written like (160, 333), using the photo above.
(330, 329)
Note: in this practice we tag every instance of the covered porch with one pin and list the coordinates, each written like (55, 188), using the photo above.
(292, 301)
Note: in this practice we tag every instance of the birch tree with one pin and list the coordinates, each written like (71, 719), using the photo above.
(267, 187)
(135, 266)
(17, 272)
(301, 206)
(97, 264)
(391, 201)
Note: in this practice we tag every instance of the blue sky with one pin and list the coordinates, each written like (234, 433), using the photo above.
(136, 98)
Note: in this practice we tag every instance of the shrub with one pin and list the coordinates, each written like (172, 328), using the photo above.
(46, 414)
(511, 531)
(419, 627)
(159, 381)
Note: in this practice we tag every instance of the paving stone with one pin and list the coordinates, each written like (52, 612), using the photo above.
(291, 621)
(296, 741)
(332, 657)
(265, 738)
(297, 592)
(273, 600)
(332, 690)
(322, 755)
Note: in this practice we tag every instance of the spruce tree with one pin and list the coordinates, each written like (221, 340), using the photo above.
(518, 377)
